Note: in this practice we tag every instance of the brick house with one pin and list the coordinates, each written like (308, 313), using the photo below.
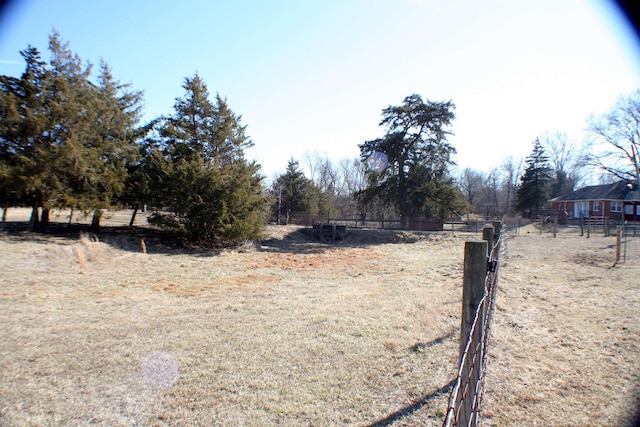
(618, 201)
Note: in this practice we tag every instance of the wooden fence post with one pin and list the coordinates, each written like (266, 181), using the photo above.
(488, 234)
(541, 223)
(555, 224)
(473, 286)
(497, 227)
(618, 240)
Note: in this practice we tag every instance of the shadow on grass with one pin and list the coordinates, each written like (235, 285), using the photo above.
(413, 407)
(420, 346)
(418, 404)
(120, 237)
(303, 240)
(300, 241)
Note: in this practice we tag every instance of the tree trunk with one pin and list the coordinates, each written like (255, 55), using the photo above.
(402, 196)
(133, 216)
(4, 217)
(33, 221)
(95, 221)
(44, 219)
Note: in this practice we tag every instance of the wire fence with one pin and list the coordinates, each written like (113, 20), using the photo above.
(627, 244)
(466, 395)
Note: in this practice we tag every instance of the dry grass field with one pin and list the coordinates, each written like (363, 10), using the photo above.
(108, 331)
(566, 338)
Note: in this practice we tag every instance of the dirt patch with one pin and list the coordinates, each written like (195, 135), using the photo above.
(333, 259)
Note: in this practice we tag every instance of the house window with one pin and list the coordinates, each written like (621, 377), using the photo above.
(616, 206)
(596, 206)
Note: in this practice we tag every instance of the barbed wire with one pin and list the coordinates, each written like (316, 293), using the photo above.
(466, 396)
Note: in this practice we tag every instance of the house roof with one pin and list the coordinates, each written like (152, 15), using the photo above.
(617, 191)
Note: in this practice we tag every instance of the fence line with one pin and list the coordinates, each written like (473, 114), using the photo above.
(466, 395)
(625, 243)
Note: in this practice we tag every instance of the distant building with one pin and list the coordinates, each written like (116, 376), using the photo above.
(618, 201)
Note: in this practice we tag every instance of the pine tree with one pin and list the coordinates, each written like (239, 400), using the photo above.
(24, 130)
(65, 141)
(112, 141)
(94, 132)
(296, 195)
(210, 190)
(245, 206)
(532, 194)
(144, 180)
(416, 180)
(202, 129)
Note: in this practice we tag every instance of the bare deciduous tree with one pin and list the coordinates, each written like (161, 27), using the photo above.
(353, 176)
(511, 169)
(470, 183)
(615, 139)
(567, 161)
(322, 171)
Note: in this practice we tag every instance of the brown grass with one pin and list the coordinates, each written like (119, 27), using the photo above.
(565, 341)
(291, 332)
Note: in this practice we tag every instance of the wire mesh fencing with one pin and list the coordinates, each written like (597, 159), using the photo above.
(627, 244)
(466, 395)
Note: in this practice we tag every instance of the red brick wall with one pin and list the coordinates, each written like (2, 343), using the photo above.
(604, 211)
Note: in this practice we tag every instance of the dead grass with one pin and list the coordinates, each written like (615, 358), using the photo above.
(291, 332)
(565, 338)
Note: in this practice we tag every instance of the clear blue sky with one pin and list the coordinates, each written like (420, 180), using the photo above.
(314, 75)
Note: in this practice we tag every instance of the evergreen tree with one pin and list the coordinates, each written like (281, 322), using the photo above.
(111, 141)
(143, 183)
(10, 185)
(416, 180)
(296, 195)
(202, 129)
(24, 136)
(66, 158)
(65, 141)
(533, 192)
(245, 207)
(204, 187)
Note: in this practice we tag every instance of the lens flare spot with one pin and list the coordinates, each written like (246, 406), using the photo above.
(160, 370)
(377, 161)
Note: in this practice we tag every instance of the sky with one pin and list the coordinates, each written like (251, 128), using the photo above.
(313, 76)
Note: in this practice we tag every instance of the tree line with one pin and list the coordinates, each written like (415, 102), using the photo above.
(414, 183)
(69, 140)
(558, 165)
(404, 174)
